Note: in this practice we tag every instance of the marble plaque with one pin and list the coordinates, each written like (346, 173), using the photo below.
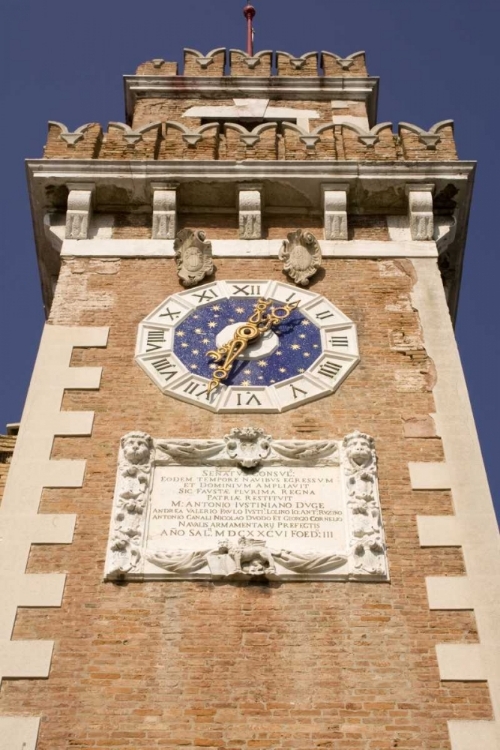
(247, 506)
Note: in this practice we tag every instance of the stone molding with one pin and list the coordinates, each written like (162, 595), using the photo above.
(21, 525)
(164, 211)
(473, 526)
(363, 559)
(79, 211)
(250, 211)
(137, 248)
(134, 136)
(335, 203)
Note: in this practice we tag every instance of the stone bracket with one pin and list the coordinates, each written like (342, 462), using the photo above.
(250, 211)
(335, 205)
(79, 210)
(164, 211)
(421, 211)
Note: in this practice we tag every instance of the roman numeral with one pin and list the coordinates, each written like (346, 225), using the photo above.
(197, 390)
(165, 367)
(249, 401)
(329, 369)
(324, 314)
(339, 341)
(296, 391)
(247, 290)
(156, 339)
(206, 296)
(171, 314)
(290, 298)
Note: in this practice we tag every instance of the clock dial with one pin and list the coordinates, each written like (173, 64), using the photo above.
(297, 360)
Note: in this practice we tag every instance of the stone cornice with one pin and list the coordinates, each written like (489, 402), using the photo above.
(318, 88)
(374, 187)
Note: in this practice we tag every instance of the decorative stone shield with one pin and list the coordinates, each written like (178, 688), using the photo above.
(301, 254)
(193, 256)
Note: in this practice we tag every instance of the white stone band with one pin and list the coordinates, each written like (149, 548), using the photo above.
(21, 525)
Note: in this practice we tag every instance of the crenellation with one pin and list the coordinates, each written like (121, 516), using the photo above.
(157, 67)
(259, 65)
(84, 143)
(352, 65)
(213, 64)
(179, 139)
(305, 65)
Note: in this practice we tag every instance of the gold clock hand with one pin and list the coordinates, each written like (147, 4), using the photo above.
(257, 325)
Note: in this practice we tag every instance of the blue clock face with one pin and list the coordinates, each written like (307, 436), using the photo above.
(289, 349)
(302, 358)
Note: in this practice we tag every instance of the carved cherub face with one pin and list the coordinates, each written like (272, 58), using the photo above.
(359, 451)
(136, 448)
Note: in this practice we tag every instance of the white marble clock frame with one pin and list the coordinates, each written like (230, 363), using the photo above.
(155, 340)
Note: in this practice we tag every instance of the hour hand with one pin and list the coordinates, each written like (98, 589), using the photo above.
(243, 336)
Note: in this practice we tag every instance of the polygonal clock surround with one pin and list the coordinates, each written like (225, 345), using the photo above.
(336, 358)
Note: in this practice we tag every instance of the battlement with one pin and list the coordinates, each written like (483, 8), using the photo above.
(235, 62)
(273, 140)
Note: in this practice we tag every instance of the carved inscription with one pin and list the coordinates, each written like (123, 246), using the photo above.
(247, 506)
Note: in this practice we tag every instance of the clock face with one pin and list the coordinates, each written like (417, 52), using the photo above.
(299, 359)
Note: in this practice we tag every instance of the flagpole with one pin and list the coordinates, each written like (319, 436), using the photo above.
(249, 12)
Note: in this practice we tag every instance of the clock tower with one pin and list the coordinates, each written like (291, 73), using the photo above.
(247, 506)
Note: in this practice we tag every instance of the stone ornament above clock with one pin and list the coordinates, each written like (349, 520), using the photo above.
(247, 346)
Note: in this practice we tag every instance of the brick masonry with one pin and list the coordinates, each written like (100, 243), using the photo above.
(146, 666)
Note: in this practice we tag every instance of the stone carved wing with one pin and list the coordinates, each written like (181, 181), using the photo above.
(186, 451)
(305, 450)
(179, 561)
(310, 562)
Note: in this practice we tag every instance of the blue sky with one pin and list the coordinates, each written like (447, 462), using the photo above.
(437, 59)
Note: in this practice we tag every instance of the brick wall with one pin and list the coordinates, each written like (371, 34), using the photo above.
(7, 445)
(233, 667)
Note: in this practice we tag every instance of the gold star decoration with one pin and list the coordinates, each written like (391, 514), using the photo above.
(205, 341)
(301, 369)
(295, 346)
(180, 334)
(246, 383)
(262, 363)
(198, 331)
(282, 369)
(216, 308)
(194, 367)
(305, 323)
(195, 351)
(212, 324)
(306, 354)
(185, 345)
(240, 310)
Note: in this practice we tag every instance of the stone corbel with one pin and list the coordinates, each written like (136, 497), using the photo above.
(335, 203)
(421, 211)
(164, 211)
(250, 211)
(79, 210)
